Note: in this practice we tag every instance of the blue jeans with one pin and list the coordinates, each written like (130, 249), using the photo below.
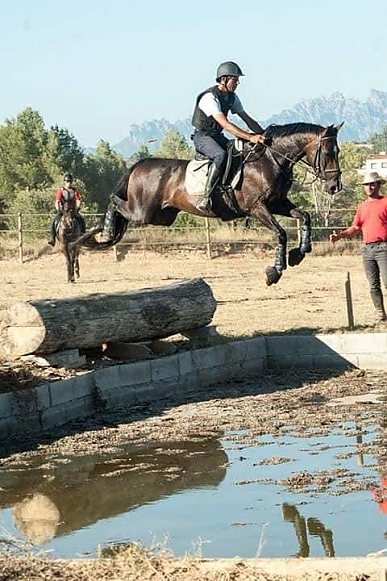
(374, 257)
(214, 148)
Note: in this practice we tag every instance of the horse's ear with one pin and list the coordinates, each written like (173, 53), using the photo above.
(338, 127)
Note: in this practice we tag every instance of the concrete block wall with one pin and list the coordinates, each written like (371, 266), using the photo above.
(54, 404)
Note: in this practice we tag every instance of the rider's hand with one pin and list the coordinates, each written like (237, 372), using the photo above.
(257, 138)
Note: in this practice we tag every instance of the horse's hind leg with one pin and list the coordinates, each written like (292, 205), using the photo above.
(296, 255)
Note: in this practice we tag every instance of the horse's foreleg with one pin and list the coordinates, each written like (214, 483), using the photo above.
(76, 264)
(273, 273)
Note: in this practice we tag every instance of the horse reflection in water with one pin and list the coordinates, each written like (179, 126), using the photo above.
(153, 191)
(68, 230)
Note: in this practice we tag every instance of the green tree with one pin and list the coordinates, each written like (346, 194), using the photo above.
(100, 174)
(379, 141)
(174, 146)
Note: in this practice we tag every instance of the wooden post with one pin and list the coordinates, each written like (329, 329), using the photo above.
(115, 252)
(20, 235)
(208, 238)
(348, 297)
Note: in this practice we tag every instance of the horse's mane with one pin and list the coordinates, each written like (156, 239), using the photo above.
(292, 129)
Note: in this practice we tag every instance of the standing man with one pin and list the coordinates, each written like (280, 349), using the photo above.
(210, 119)
(66, 192)
(371, 220)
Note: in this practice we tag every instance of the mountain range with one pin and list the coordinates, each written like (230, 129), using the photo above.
(362, 120)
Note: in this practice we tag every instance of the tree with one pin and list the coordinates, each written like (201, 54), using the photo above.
(174, 146)
(379, 141)
(101, 172)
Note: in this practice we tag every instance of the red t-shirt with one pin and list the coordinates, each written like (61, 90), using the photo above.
(65, 194)
(371, 217)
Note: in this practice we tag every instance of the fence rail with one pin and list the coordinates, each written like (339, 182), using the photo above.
(21, 232)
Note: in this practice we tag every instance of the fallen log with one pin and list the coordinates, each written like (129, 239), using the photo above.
(47, 326)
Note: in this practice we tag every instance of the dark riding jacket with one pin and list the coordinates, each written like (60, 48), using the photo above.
(208, 124)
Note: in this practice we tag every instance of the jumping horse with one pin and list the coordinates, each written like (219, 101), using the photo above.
(69, 230)
(153, 190)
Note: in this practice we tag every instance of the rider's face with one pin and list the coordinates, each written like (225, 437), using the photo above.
(232, 84)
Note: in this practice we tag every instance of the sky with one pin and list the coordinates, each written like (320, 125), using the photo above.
(97, 66)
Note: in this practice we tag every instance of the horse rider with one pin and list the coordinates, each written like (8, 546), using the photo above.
(210, 119)
(66, 192)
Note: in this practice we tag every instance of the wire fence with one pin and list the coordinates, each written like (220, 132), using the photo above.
(20, 233)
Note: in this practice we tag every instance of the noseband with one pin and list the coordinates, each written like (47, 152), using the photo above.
(319, 171)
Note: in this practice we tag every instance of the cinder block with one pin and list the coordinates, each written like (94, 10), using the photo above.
(186, 365)
(165, 368)
(372, 360)
(254, 366)
(53, 417)
(290, 362)
(24, 402)
(256, 348)
(107, 378)
(5, 405)
(43, 396)
(71, 389)
(335, 361)
(79, 408)
(210, 357)
(236, 351)
(133, 373)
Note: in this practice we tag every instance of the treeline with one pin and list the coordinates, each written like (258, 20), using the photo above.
(33, 159)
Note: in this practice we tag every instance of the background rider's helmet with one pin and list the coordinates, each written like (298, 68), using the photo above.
(228, 69)
(68, 177)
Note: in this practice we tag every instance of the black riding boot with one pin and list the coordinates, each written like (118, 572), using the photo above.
(212, 179)
(53, 232)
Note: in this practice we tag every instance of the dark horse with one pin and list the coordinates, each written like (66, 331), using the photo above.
(153, 191)
(68, 230)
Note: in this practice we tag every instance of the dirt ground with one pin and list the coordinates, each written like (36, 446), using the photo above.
(310, 298)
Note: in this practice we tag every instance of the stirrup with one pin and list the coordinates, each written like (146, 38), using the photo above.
(205, 204)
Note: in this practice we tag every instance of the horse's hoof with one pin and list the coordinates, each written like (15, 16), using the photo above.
(272, 275)
(295, 257)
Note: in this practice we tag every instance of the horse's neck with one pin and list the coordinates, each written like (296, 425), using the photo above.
(293, 146)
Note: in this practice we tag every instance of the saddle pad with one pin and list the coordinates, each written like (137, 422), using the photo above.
(196, 177)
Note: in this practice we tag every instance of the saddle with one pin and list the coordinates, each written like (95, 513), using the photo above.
(197, 171)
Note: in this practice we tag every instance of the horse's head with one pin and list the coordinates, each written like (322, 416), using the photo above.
(69, 207)
(322, 153)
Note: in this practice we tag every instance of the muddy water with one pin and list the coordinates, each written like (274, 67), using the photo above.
(240, 494)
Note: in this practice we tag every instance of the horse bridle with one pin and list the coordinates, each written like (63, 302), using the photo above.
(319, 172)
(317, 168)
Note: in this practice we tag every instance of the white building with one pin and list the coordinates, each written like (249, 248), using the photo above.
(375, 162)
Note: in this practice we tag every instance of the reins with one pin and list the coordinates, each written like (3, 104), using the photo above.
(316, 168)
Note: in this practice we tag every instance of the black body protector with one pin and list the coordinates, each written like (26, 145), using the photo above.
(208, 124)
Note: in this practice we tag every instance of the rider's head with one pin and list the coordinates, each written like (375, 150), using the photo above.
(228, 74)
(68, 178)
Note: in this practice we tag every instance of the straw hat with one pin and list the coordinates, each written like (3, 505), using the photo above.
(372, 177)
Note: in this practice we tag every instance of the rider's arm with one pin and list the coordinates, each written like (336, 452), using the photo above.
(77, 199)
(251, 123)
(235, 130)
(58, 199)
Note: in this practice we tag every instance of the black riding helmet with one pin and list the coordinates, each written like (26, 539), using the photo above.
(228, 69)
(68, 177)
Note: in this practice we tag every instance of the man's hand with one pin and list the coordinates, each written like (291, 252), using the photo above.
(334, 237)
(257, 138)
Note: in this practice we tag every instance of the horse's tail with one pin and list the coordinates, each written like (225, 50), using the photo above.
(117, 223)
